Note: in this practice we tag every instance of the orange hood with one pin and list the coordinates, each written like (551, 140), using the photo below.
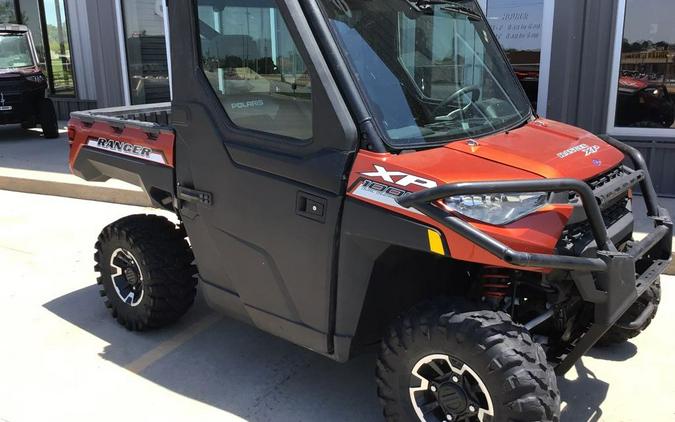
(548, 149)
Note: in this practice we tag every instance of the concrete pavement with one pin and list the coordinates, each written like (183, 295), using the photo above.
(63, 358)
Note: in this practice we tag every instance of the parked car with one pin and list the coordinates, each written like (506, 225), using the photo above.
(22, 83)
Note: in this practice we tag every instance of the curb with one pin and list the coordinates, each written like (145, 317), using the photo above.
(69, 186)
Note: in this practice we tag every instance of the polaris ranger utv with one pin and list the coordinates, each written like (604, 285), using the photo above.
(349, 173)
(22, 83)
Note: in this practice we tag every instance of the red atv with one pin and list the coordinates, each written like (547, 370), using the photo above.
(351, 173)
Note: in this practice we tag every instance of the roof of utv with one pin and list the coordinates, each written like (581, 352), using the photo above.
(13, 28)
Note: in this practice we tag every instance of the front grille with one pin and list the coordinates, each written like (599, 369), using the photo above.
(575, 237)
(12, 99)
(599, 181)
(10, 86)
(603, 179)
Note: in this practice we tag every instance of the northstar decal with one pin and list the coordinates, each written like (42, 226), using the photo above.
(587, 150)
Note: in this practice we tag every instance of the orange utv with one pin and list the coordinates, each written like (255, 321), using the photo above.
(351, 174)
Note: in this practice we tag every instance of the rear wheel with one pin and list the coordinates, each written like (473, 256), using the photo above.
(146, 272)
(647, 304)
(441, 363)
(48, 119)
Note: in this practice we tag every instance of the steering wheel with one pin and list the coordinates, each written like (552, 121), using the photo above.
(475, 91)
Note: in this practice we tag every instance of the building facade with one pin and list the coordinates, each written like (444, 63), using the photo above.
(605, 65)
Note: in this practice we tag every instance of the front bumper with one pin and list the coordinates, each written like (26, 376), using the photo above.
(19, 100)
(612, 280)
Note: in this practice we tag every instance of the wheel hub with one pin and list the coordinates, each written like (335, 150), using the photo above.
(443, 388)
(131, 275)
(452, 398)
(126, 277)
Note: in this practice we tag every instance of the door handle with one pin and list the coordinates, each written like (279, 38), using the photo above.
(311, 206)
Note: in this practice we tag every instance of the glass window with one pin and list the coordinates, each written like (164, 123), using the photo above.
(517, 24)
(255, 68)
(7, 12)
(60, 64)
(646, 91)
(15, 51)
(147, 60)
(431, 72)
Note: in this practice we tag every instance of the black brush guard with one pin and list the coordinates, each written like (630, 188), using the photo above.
(609, 280)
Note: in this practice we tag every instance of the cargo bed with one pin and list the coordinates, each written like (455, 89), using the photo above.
(134, 144)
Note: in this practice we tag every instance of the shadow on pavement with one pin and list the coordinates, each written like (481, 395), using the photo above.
(583, 396)
(234, 367)
(617, 353)
(258, 377)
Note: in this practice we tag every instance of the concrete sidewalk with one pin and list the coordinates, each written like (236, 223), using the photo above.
(32, 164)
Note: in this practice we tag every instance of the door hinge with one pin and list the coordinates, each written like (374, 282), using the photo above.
(193, 195)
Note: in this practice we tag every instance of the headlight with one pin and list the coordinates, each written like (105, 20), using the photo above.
(497, 208)
(38, 79)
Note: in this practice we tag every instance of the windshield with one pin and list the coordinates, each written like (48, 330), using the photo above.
(15, 51)
(431, 70)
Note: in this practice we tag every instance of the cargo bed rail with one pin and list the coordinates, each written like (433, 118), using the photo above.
(151, 118)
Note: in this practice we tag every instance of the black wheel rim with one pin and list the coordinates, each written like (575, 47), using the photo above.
(126, 277)
(446, 389)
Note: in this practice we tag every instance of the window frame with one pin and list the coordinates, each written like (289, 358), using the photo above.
(260, 136)
(612, 129)
(48, 53)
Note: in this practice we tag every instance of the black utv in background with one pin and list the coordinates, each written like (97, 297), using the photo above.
(22, 83)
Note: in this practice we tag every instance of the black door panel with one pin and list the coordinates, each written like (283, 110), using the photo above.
(268, 254)
(253, 246)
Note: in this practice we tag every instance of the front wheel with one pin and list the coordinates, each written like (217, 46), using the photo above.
(441, 363)
(48, 119)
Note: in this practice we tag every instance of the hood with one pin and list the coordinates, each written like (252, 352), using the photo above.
(21, 71)
(547, 149)
(632, 83)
